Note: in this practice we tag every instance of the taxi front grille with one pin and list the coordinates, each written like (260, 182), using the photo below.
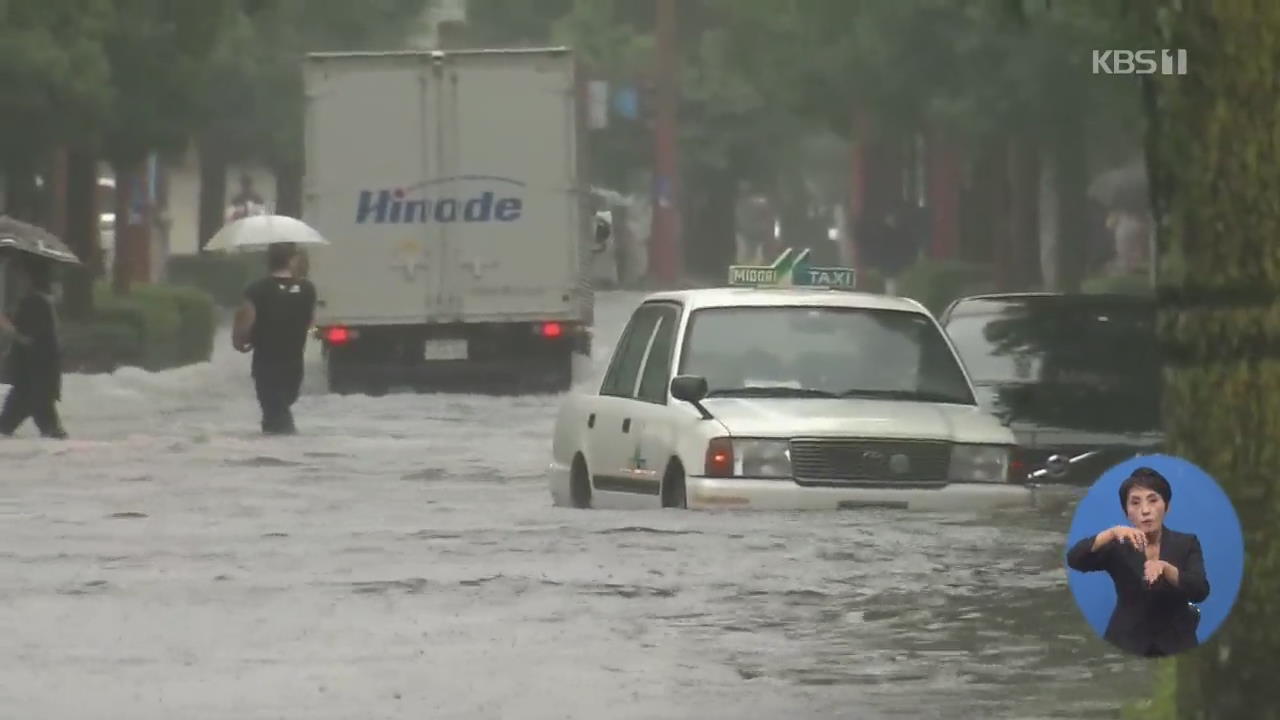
(870, 461)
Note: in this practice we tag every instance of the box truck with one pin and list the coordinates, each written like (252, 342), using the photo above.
(449, 186)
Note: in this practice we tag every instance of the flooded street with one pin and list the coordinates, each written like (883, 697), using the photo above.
(401, 558)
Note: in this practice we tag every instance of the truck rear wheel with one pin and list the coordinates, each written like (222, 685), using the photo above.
(349, 379)
(560, 375)
(341, 378)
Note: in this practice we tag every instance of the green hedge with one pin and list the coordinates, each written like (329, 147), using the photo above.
(154, 327)
(156, 323)
(1132, 284)
(99, 347)
(223, 276)
(197, 319)
(936, 283)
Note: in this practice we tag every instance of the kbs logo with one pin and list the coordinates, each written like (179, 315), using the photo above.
(1140, 62)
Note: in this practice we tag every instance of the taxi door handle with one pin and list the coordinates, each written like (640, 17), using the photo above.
(591, 420)
(626, 425)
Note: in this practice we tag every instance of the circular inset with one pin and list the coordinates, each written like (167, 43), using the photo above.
(1155, 556)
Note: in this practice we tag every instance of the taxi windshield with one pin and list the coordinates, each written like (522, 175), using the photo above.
(822, 352)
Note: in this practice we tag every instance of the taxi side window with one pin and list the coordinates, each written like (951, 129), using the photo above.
(620, 380)
(657, 367)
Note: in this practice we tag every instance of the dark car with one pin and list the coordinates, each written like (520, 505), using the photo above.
(1075, 376)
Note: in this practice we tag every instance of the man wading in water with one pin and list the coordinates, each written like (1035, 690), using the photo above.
(273, 322)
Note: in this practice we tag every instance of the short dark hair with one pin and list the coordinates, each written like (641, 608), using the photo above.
(1146, 478)
(40, 274)
(279, 255)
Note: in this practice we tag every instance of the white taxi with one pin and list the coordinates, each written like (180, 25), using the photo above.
(785, 391)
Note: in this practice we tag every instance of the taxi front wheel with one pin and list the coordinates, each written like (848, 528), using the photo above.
(673, 487)
(580, 484)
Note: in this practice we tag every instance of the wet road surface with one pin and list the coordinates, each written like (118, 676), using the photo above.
(401, 559)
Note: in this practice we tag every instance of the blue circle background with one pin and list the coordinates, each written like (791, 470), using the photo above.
(1199, 506)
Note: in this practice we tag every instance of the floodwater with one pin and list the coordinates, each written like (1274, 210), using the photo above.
(401, 558)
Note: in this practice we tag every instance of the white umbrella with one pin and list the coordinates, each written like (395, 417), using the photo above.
(1122, 187)
(258, 231)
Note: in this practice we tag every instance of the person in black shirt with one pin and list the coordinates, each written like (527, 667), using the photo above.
(35, 359)
(273, 323)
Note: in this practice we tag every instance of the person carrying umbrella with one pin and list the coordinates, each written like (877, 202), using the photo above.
(35, 358)
(273, 323)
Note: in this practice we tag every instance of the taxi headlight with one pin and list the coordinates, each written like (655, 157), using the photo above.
(761, 458)
(979, 463)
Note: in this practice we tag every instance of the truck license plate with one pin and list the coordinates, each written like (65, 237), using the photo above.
(445, 350)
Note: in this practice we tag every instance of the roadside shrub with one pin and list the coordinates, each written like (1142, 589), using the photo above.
(936, 283)
(223, 276)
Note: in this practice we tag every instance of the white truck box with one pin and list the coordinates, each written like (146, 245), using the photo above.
(448, 184)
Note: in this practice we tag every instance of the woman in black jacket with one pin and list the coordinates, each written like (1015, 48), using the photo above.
(35, 357)
(1158, 572)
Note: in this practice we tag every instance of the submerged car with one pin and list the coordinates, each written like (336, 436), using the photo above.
(1077, 377)
(782, 395)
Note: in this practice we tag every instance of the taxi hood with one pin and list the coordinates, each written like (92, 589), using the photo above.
(857, 417)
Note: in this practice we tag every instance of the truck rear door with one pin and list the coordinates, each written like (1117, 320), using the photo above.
(371, 164)
(512, 221)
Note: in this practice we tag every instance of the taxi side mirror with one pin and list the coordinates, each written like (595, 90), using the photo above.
(691, 389)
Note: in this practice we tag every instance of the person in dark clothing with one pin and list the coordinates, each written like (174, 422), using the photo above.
(1158, 572)
(273, 323)
(35, 358)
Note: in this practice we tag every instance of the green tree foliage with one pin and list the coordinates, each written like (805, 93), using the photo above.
(513, 23)
(55, 75)
(252, 110)
(254, 101)
(1215, 169)
(157, 51)
(54, 84)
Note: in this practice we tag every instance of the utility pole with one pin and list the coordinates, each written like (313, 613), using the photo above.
(665, 252)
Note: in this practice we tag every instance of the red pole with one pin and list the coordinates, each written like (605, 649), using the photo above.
(857, 181)
(665, 256)
(944, 189)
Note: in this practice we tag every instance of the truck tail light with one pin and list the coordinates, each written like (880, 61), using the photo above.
(338, 335)
(1017, 470)
(719, 458)
(550, 330)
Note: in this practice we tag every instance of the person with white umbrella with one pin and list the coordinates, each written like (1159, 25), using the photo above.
(277, 313)
(273, 323)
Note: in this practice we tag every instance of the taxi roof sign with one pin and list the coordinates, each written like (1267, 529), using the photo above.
(792, 269)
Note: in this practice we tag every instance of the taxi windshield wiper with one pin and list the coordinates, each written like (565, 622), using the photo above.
(770, 391)
(903, 395)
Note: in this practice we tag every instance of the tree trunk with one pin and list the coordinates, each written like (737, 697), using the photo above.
(213, 190)
(1214, 169)
(981, 207)
(1050, 225)
(943, 178)
(126, 230)
(1072, 176)
(710, 246)
(55, 193)
(1023, 240)
(288, 190)
(22, 198)
(82, 233)
(857, 183)
(883, 180)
